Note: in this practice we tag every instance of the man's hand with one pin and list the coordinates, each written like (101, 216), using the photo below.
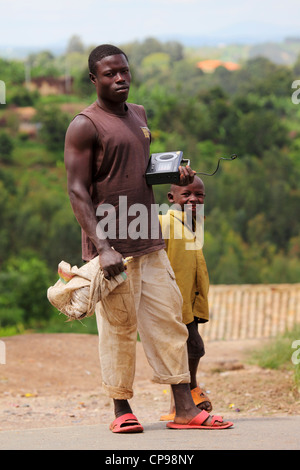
(111, 262)
(186, 175)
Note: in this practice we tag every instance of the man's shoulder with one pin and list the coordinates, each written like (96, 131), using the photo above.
(84, 117)
(90, 107)
(81, 126)
(88, 110)
(137, 108)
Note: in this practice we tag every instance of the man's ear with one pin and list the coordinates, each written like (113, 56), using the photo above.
(92, 77)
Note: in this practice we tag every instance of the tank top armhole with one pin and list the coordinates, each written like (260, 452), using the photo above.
(91, 120)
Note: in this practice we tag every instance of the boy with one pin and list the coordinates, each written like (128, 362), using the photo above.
(188, 263)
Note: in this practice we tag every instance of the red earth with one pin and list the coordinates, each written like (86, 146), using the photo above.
(55, 380)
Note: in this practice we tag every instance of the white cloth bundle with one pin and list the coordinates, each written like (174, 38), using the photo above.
(78, 290)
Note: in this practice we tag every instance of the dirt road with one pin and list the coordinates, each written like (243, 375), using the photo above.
(54, 380)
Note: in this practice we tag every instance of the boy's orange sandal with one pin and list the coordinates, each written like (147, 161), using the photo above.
(168, 417)
(198, 396)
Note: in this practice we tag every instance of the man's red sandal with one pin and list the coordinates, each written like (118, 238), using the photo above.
(126, 423)
(197, 423)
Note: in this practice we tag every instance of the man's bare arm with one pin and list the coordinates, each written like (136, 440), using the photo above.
(80, 138)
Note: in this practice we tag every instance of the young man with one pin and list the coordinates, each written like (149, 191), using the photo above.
(107, 149)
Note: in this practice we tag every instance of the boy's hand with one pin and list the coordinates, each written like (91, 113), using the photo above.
(186, 175)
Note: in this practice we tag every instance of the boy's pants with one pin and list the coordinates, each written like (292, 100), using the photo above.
(150, 302)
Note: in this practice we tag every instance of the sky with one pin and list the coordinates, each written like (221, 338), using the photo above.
(35, 23)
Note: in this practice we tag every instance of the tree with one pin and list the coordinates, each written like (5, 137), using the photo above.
(12, 71)
(296, 67)
(23, 291)
(20, 96)
(155, 64)
(42, 64)
(54, 124)
(83, 85)
(175, 50)
(75, 45)
(6, 147)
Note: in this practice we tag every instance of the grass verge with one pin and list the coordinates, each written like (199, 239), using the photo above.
(283, 352)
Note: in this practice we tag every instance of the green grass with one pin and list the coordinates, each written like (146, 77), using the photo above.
(283, 352)
(33, 152)
(11, 330)
(63, 99)
(60, 324)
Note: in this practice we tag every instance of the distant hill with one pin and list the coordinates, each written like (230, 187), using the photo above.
(15, 52)
(226, 45)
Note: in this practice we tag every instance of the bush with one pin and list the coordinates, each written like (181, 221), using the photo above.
(6, 147)
(54, 124)
(23, 292)
(20, 96)
(280, 353)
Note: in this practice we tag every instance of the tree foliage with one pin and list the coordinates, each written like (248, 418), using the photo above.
(53, 125)
(252, 206)
(6, 147)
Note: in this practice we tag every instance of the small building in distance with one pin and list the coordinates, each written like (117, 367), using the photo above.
(50, 85)
(210, 65)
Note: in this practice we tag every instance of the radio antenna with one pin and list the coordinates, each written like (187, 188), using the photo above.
(232, 157)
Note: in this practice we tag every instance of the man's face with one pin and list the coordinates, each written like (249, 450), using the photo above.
(112, 79)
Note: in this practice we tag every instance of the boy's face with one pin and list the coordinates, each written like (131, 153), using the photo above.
(189, 196)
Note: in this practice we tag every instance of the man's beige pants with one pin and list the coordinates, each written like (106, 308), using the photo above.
(148, 302)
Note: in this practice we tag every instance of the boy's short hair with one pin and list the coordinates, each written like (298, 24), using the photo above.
(104, 50)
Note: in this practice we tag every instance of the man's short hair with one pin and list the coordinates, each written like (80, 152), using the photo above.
(100, 52)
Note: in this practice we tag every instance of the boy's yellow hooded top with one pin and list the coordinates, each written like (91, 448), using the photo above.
(186, 257)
